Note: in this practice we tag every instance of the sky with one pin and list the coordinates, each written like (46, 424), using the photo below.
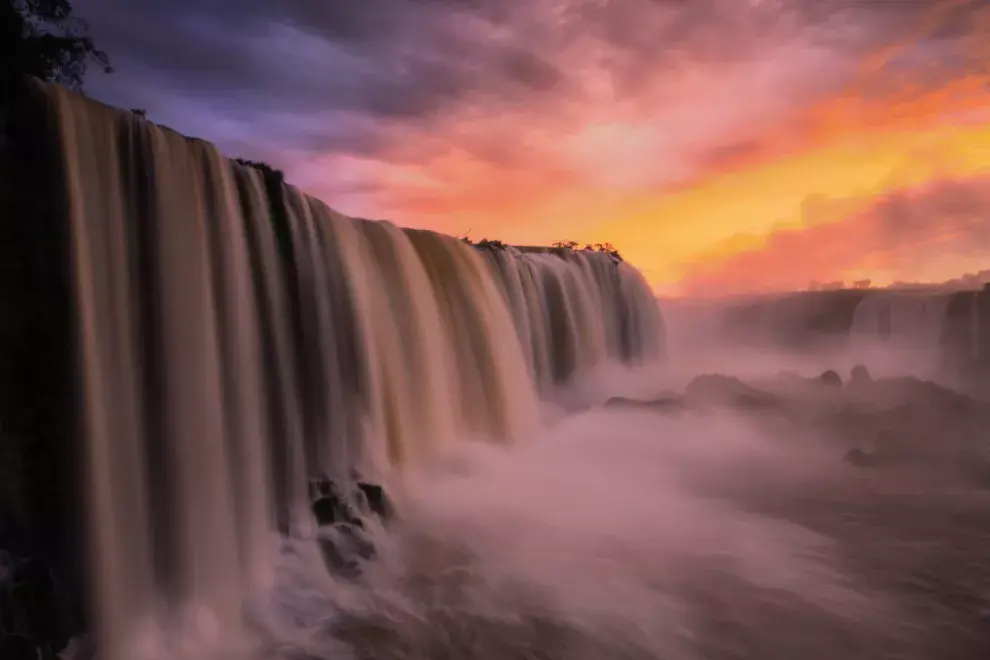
(722, 146)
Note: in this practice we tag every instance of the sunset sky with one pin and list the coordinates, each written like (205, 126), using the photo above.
(721, 145)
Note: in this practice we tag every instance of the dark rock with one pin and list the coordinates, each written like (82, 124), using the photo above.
(860, 458)
(378, 500)
(830, 379)
(325, 510)
(346, 544)
(718, 389)
(334, 505)
(667, 403)
(860, 376)
(330, 505)
(323, 487)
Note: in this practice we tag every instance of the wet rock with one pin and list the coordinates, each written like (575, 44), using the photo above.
(830, 379)
(326, 501)
(718, 389)
(665, 404)
(860, 458)
(342, 540)
(330, 506)
(324, 487)
(325, 510)
(334, 511)
(860, 376)
(377, 500)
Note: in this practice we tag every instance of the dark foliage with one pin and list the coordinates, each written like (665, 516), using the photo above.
(485, 244)
(263, 167)
(606, 248)
(42, 38)
(490, 245)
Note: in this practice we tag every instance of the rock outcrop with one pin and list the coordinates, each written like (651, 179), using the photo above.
(340, 510)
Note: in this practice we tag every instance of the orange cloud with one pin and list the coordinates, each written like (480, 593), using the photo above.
(930, 232)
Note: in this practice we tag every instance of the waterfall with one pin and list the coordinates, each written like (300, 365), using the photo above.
(574, 310)
(906, 319)
(236, 337)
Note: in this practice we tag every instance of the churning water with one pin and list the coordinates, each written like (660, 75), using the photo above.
(627, 535)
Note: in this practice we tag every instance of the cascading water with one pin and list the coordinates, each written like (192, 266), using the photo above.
(575, 310)
(237, 338)
(906, 319)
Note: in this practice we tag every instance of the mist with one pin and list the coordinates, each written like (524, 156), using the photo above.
(733, 501)
(633, 534)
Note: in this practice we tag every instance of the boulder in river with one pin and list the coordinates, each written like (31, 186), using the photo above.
(377, 500)
(830, 379)
(719, 389)
(860, 376)
(668, 403)
(860, 458)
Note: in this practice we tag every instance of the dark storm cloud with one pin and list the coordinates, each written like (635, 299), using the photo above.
(408, 61)
(394, 58)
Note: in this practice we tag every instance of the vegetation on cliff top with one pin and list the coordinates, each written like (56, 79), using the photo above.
(607, 248)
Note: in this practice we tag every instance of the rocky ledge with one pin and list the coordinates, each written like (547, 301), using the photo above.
(873, 423)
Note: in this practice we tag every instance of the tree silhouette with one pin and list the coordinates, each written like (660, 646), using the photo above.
(42, 38)
(607, 248)
(265, 168)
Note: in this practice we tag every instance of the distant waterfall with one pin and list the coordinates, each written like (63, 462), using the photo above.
(904, 319)
(237, 337)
